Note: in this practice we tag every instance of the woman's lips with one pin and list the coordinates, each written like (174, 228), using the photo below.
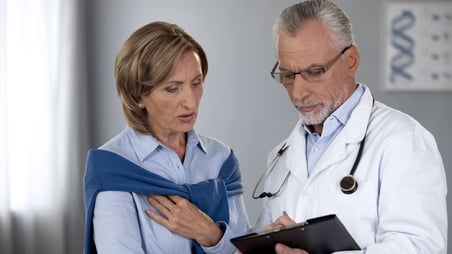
(187, 117)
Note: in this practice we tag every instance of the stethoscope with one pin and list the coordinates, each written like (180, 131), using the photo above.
(348, 183)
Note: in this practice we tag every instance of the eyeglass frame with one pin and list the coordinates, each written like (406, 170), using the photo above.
(302, 73)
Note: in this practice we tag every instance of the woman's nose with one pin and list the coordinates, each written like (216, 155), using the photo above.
(189, 99)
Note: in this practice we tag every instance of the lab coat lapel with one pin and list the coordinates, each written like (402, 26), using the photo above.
(348, 140)
(338, 150)
(296, 154)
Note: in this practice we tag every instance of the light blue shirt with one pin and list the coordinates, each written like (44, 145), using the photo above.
(120, 222)
(317, 144)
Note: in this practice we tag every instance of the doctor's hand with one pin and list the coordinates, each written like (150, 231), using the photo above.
(181, 217)
(283, 221)
(283, 249)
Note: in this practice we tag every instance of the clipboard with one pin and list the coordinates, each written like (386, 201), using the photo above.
(319, 235)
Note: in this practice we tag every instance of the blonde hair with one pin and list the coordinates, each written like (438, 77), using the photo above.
(145, 60)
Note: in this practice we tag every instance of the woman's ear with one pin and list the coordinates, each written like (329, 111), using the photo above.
(352, 61)
(139, 101)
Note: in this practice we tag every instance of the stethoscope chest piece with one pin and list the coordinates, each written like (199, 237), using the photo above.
(348, 184)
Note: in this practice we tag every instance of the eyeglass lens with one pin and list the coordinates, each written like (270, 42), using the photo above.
(313, 74)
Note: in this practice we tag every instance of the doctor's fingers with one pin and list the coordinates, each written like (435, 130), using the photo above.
(281, 222)
(273, 227)
(283, 249)
(285, 220)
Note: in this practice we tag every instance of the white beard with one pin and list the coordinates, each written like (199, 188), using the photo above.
(328, 107)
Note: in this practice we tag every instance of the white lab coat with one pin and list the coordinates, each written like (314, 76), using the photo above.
(400, 204)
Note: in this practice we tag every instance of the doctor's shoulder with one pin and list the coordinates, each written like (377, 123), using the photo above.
(388, 121)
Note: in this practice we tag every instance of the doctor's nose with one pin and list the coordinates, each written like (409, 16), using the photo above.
(300, 88)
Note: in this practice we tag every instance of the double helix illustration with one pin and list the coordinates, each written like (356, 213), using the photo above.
(404, 45)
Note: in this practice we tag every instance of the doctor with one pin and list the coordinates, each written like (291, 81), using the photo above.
(394, 199)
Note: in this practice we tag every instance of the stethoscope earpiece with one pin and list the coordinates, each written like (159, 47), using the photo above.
(348, 184)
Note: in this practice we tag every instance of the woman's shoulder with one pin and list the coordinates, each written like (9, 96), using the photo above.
(215, 148)
(119, 144)
(212, 143)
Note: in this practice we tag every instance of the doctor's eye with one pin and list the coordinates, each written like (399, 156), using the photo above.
(314, 73)
(286, 76)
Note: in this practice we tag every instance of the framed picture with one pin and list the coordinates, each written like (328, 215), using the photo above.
(417, 45)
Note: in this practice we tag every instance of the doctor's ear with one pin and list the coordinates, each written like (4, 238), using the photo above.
(352, 60)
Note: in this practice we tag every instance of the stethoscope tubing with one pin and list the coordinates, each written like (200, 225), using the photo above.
(348, 183)
(268, 171)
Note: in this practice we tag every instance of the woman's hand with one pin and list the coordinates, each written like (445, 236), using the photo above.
(181, 217)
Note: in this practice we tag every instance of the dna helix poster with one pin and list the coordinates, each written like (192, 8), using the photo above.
(418, 46)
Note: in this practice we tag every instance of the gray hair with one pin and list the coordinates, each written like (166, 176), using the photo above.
(338, 23)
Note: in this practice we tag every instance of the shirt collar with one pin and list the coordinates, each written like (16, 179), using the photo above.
(194, 140)
(343, 113)
(144, 144)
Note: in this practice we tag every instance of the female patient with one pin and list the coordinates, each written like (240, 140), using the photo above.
(158, 186)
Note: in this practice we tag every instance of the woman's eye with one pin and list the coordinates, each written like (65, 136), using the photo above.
(172, 89)
(198, 83)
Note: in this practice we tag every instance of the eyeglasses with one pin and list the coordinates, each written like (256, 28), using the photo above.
(312, 74)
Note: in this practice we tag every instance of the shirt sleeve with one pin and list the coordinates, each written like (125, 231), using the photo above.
(112, 217)
(238, 225)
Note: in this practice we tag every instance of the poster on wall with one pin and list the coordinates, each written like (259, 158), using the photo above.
(418, 46)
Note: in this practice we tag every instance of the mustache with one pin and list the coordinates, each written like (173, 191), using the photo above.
(304, 103)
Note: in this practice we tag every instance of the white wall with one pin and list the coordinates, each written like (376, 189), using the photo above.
(242, 105)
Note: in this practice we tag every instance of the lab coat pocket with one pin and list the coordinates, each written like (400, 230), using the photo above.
(357, 211)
